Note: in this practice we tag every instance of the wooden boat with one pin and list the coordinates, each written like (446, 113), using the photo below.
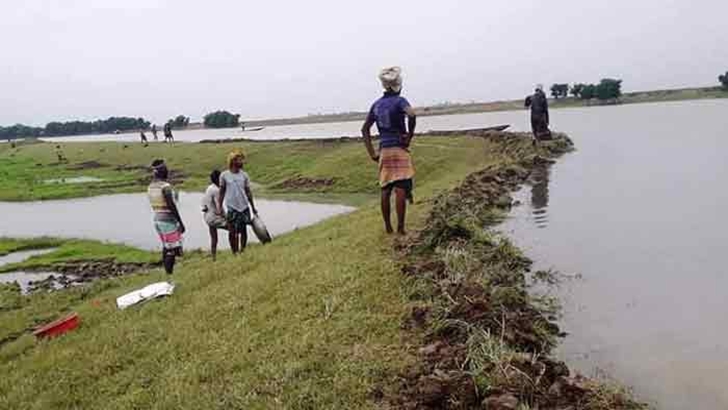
(472, 131)
(252, 129)
(58, 327)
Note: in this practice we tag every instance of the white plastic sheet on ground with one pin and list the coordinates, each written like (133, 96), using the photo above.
(149, 292)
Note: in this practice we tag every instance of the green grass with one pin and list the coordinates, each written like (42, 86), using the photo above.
(24, 169)
(310, 321)
(71, 250)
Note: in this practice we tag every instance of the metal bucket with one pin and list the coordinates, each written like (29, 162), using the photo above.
(261, 232)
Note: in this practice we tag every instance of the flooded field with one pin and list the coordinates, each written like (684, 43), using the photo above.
(127, 219)
(637, 212)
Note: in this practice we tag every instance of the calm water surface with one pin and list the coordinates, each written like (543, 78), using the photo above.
(638, 212)
(127, 218)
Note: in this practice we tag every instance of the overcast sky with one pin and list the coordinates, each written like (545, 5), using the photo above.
(86, 59)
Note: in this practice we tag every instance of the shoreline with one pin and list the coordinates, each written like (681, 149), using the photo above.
(635, 97)
(456, 322)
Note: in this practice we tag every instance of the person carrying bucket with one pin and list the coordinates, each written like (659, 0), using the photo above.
(236, 196)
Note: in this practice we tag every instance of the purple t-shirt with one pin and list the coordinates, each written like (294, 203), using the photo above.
(389, 114)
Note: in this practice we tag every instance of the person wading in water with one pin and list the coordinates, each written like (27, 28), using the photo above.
(539, 114)
(237, 197)
(154, 132)
(395, 162)
(167, 221)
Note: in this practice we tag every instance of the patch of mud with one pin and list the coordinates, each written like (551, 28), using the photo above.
(488, 342)
(127, 167)
(304, 183)
(86, 165)
(76, 272)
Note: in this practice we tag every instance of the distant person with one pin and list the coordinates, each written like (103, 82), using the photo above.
(538, 103)
(167, 221)
(395, 162)
(61, 156)
(143, 137)
(242, 126)
(237, 197)
(213, 215)
(168, 137)
(154, 132)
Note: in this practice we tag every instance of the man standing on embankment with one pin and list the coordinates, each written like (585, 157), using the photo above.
(395, 162)
(539, 114)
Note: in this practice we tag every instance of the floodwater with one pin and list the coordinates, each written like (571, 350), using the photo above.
(73, 180)
(638, 212)
(24, 278)
(127, 218)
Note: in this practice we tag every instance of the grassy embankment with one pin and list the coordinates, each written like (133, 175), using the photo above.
(311, 321)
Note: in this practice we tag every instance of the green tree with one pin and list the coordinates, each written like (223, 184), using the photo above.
(576, 89)
(221, 119)
(560, 90)
(609, 89)
(724, 80)
(179, 121)
(588, 92)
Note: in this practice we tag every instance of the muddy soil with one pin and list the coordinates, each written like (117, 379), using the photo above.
(86, 165)
(487, 340)
(73, 273)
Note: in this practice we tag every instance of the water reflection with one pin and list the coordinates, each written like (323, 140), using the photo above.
(126, 218)
(539, 181)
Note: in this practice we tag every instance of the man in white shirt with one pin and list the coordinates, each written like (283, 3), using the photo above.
(238, 199)
(212, 215)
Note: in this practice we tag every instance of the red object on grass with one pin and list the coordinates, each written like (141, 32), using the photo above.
(58, 327)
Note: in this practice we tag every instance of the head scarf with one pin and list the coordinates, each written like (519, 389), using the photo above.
(159, 169)
(391, 78)
(234, 154)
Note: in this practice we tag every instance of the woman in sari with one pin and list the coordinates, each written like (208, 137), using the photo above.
(167, 221)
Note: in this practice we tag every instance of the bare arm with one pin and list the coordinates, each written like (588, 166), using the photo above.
(173, 207)
(221, 196)
(411, 124)
(249, 194)
(366, 134)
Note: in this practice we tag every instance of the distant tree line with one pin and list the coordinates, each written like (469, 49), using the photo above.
(57, 129)
(723, 78)
(221, 119)
(560, 90)
(607, 89)
(179, 121)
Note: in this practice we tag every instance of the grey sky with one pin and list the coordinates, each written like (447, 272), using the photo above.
(68, 59)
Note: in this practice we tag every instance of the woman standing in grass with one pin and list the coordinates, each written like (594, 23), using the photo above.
(395, 162)
(167, 220)
(235, 193)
